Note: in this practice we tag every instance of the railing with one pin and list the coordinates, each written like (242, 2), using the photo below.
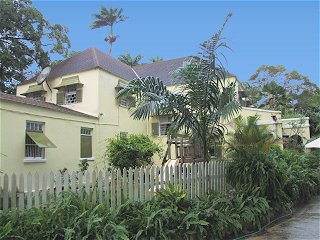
(116, 186)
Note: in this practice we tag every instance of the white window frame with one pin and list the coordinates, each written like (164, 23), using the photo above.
(164, 121)
(69, 91)
(87, 132)
(35, 127)
(124, 102)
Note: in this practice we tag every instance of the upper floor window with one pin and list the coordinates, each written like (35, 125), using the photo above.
(36, 92)
(69, 91)
(36, 142)
(161, 128)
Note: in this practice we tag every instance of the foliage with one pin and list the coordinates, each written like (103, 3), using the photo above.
(107, 18)
(273, 87)
(251, 168)
(26, 39)
(155, 59)
(130, 151)
(70, 217)
(204, 99)
(129, 60)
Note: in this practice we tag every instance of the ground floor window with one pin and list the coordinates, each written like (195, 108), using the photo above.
(86, 143)
(32, 150)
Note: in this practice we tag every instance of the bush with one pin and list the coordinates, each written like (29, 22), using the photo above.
(130, 151)
(70, 217)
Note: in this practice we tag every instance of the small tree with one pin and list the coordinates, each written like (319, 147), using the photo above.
(129, 60)
(131, 151)
(205, 99)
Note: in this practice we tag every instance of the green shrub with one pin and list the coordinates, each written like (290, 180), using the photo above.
(251, 167)
(130, 151)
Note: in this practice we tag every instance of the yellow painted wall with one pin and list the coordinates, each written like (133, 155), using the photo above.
(90, 100)
(296, 126)
(61, 128)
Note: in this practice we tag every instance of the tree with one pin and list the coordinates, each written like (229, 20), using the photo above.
(204, 100)
(155, 59)
(131, 61)
(26, 38)
(107, 18)
(289, 92)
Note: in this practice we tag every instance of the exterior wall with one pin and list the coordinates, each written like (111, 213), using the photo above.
(296, 126)
(61, 128)
(90, 100)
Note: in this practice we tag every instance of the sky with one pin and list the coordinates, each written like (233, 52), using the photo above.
(259, 32)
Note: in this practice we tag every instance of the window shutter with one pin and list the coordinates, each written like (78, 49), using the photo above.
(79, 95)
(86, 147)
(155, 129)
(43, 98)
(60, 98)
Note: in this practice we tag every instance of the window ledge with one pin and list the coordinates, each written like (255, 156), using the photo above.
(34, 160)
(88, 159)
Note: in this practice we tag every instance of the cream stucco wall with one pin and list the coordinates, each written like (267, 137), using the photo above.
(61, 128)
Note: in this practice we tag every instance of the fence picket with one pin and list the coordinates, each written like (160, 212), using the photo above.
(66, 181)
(136, 184)
(152, 180)
(94, 187)
(130, 185)
(188, 178)
(113, 190)
(5, 193)
(36, 190)
(141, 179)
(44, 189)
(157, 182)
(80, 185)
(119, 187)
(161, 177)
(13, 191)
(21, 191)
(51, 185)
(58, 183)
(125, 184)
(147, 184)
(100, 186)
(73, 182)
(107, 188)
(29, 189)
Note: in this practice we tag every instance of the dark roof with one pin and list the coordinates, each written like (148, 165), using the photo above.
(42, 104)
(161, 69)
(93, 58)
(89, 59)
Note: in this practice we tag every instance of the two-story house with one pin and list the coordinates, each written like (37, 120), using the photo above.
(70, 116)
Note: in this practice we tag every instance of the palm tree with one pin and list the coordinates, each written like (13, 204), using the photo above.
(107, 18)
(203, 102)
(131, 61)
(155, 59)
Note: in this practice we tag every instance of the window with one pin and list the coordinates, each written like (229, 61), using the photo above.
(69, 91)
(36, 92)
(36, 96)
(124, 102)
(70, 94)
(123, 134)
(162, 127)
(86, 143)
(32, 149)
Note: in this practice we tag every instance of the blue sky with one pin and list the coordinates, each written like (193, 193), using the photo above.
(260, 32)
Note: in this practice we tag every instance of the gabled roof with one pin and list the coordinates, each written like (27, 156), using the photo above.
(42, 104)
(89, 59)
(93, 58)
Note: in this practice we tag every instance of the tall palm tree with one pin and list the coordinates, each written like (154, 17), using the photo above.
(107, 18)
(203, 102)
(131, 61)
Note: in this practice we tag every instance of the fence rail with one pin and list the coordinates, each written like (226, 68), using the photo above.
(138, 184)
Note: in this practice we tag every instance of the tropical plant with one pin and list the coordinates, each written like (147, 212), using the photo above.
(129, 60)
(134, 150)
(155, 59)
(251, 168)
(203, 101)
(107, 18)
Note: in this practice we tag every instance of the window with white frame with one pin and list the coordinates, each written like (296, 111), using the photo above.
(71, 94)
(124, 102)
(86, 143)
(32, 150)
(164, 125)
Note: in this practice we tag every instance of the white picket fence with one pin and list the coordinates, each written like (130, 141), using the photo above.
(137, 184)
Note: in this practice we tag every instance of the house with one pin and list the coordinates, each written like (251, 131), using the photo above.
(69, 117)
